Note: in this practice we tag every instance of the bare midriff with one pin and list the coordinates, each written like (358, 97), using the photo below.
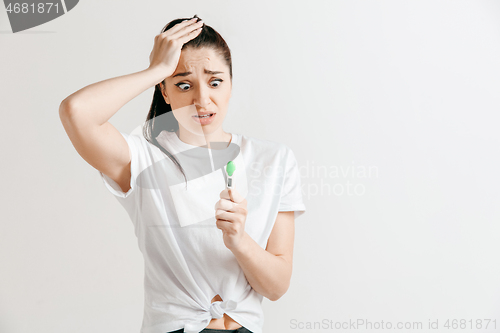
(224, 323)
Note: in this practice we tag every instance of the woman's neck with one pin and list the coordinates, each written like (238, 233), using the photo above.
(203, 140)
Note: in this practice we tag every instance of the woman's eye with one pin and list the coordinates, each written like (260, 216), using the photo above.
(185, 86)
(182, 84)
(218, 81)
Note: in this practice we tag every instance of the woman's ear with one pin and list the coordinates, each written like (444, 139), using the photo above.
(164, 93)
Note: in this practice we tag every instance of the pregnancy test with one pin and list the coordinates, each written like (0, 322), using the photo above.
(230, 167)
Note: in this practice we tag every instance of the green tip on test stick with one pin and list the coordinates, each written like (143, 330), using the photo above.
(230, 167)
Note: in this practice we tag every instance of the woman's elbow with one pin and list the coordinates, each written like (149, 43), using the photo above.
(66, 106)
(279, 293)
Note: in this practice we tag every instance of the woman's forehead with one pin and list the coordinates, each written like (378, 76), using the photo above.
(200, 60)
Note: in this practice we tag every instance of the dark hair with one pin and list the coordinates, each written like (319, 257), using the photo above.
(208, 38)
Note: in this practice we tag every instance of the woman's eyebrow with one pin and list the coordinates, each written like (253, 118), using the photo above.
(206, 72)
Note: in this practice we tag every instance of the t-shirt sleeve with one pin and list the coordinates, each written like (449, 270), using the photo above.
(291, 191)
(111, 185)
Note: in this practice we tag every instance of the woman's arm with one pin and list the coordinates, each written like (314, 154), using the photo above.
(269, 271)
(85, 115)
(95, 104)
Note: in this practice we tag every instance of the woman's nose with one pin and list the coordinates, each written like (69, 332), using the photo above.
(202, 96)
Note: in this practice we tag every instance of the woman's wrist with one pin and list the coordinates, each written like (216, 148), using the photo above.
(244, 247)
(159, 73)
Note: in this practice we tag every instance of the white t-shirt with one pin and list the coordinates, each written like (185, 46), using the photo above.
(186, 261)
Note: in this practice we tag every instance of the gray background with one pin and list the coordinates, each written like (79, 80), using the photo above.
(409, 88)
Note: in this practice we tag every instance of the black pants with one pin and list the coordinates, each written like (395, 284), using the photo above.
(211, 330)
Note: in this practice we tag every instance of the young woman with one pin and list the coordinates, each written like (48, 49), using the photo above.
(211, 251)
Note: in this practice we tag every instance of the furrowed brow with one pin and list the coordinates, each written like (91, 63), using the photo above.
(206, 72)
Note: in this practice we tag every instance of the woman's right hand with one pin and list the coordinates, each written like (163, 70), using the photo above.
(167, 46)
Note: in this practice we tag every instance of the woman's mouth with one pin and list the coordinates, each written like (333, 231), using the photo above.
(204, 119)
